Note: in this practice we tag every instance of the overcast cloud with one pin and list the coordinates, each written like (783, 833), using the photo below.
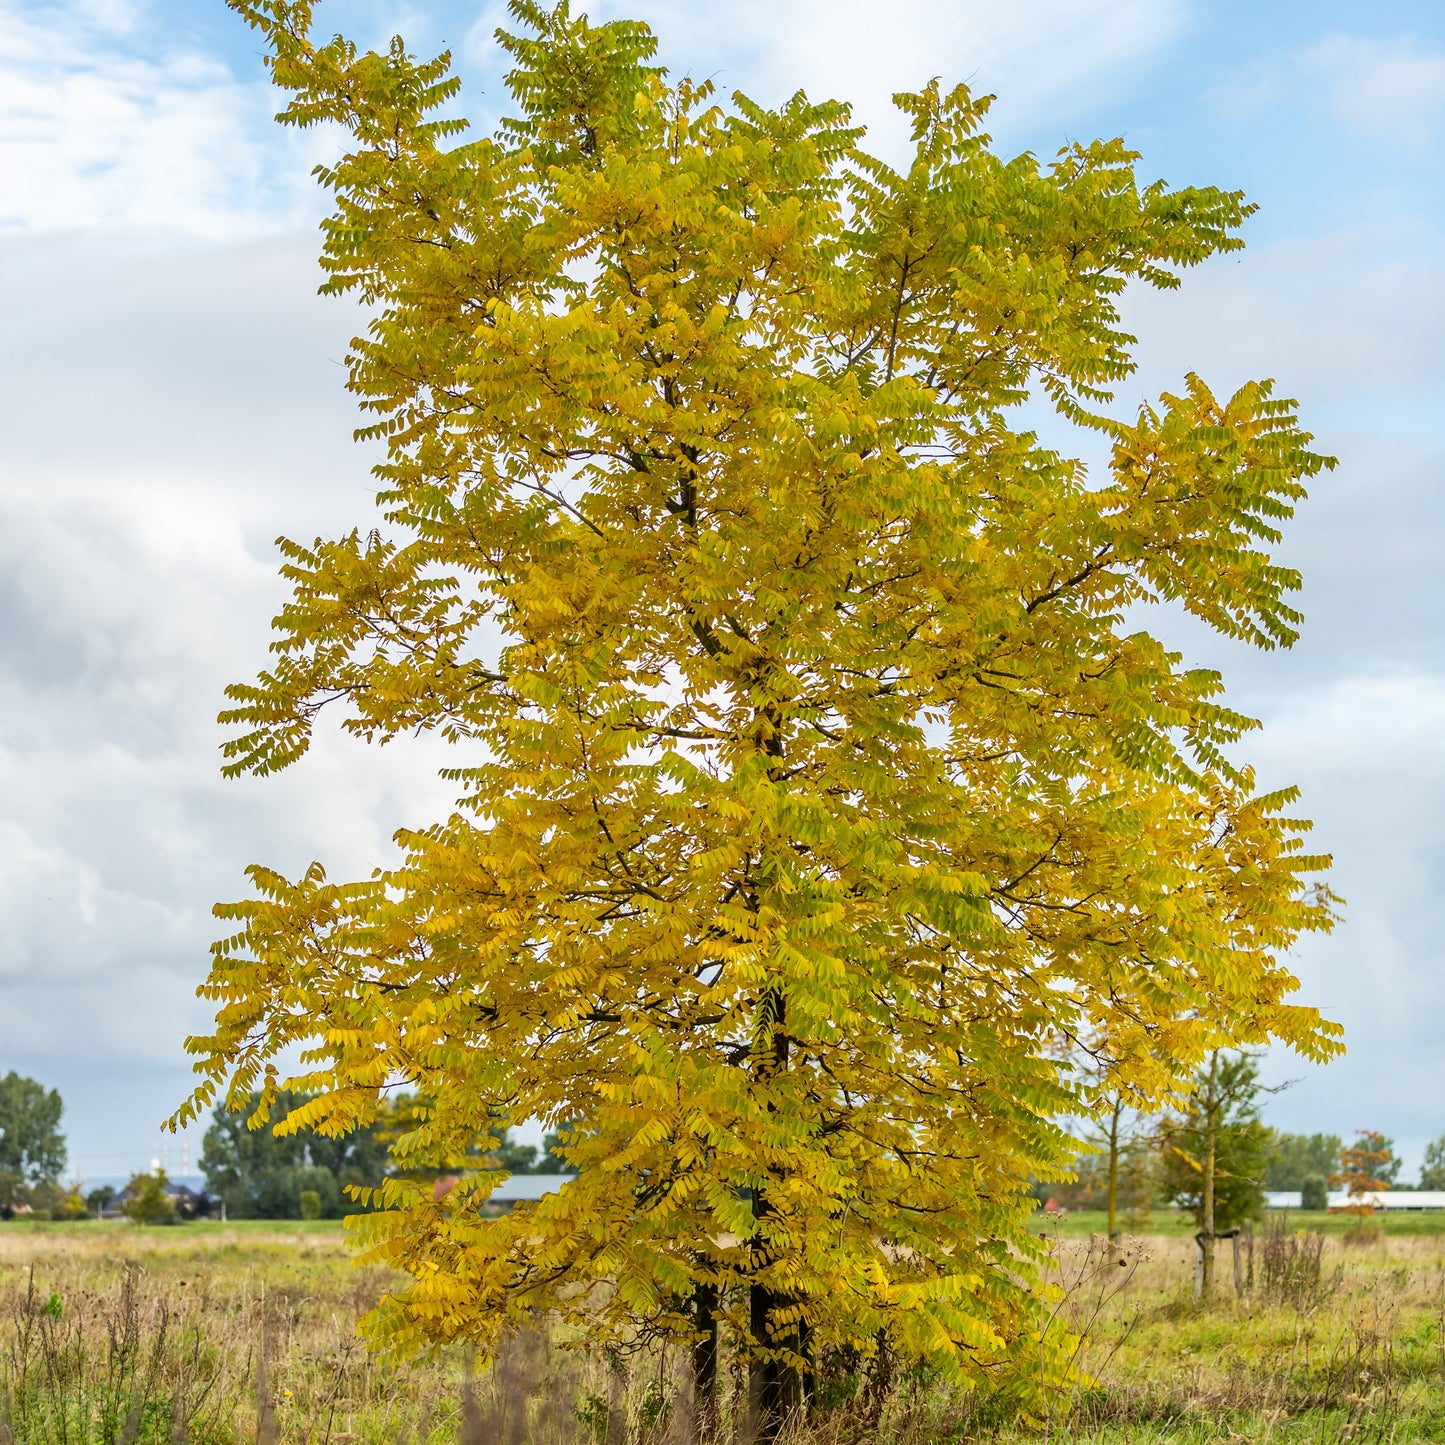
(171, 399)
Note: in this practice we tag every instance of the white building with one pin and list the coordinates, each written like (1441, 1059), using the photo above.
(1386, 1199)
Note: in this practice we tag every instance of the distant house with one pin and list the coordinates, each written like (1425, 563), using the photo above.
(529, 1187)
(193, 1203)
(519, 1189)
(1387, 1200)
(189, 1203)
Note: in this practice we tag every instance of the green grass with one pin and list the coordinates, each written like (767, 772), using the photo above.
(264, 1228)
(1173, 1224)
(1356, 1353)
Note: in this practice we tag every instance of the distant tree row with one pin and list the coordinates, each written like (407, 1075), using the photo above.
(1215, 1157)
(1296, 1158)
(254, 1173)
(1214, 1151)
(259, 1174)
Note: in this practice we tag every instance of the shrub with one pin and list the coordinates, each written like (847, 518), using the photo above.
(1314, 1193)
(1291, 1265)
(310, 1204)
(147, 1201)
(57, 1202)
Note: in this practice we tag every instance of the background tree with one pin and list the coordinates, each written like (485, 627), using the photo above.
(1215, 1151)
(1115, 1136)
(259, 1174)
(815, 773)
(51, 1200)
(1117, 1171)
(146, 1200)
(495, 1149)
(1388, 1169)
(1367, 1166)
(1293, 1158)
(1135, 1176)
(262, 1174)
(99, 1199)
(1116, 1133)
(1432, 1169)
(515, 1157)
(1314, 1192)
(13, 1192)
(554, 1152)
(31, 1143)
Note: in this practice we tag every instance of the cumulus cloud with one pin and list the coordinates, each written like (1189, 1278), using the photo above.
(168, 415)
(1349, 319)
(1369, 754)
(1348, 323)
(1368, 89)
(163, 139)
(174, 397)
(1043, 58)
(1388, 90)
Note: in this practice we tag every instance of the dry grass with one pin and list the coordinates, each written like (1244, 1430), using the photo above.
(1336, 1341)
(110, 1332)
(217, 1336)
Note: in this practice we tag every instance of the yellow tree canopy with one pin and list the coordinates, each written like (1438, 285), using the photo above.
(815, 785)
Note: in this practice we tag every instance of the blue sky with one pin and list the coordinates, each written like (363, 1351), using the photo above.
(171, 399)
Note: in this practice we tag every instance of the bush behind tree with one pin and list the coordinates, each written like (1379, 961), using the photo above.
(146, 1200)
(1241, 1145)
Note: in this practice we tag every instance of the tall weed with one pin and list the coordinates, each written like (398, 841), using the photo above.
(1292, 1266)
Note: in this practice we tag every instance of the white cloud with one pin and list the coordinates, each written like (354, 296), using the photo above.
(167, 415)
(1369, 753)
(171, 407)
(1350, 319)
(126, 609)
(103, 129)
(1389, 90)
(61, 913)
(1042, 57)
(95, 135)
(1349, 323)
(1374, 89)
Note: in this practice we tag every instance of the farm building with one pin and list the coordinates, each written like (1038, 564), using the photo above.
(1386, 1199)
(519, 1189)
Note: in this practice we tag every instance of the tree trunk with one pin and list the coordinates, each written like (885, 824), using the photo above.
(704, 1364)
(1113, 1203)
(775, 1387)
(1211, 1128)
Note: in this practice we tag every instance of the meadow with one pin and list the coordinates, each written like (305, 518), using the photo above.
(220, 1334)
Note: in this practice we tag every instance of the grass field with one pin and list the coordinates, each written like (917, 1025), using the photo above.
(246, 1332)
(1171, 1224)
